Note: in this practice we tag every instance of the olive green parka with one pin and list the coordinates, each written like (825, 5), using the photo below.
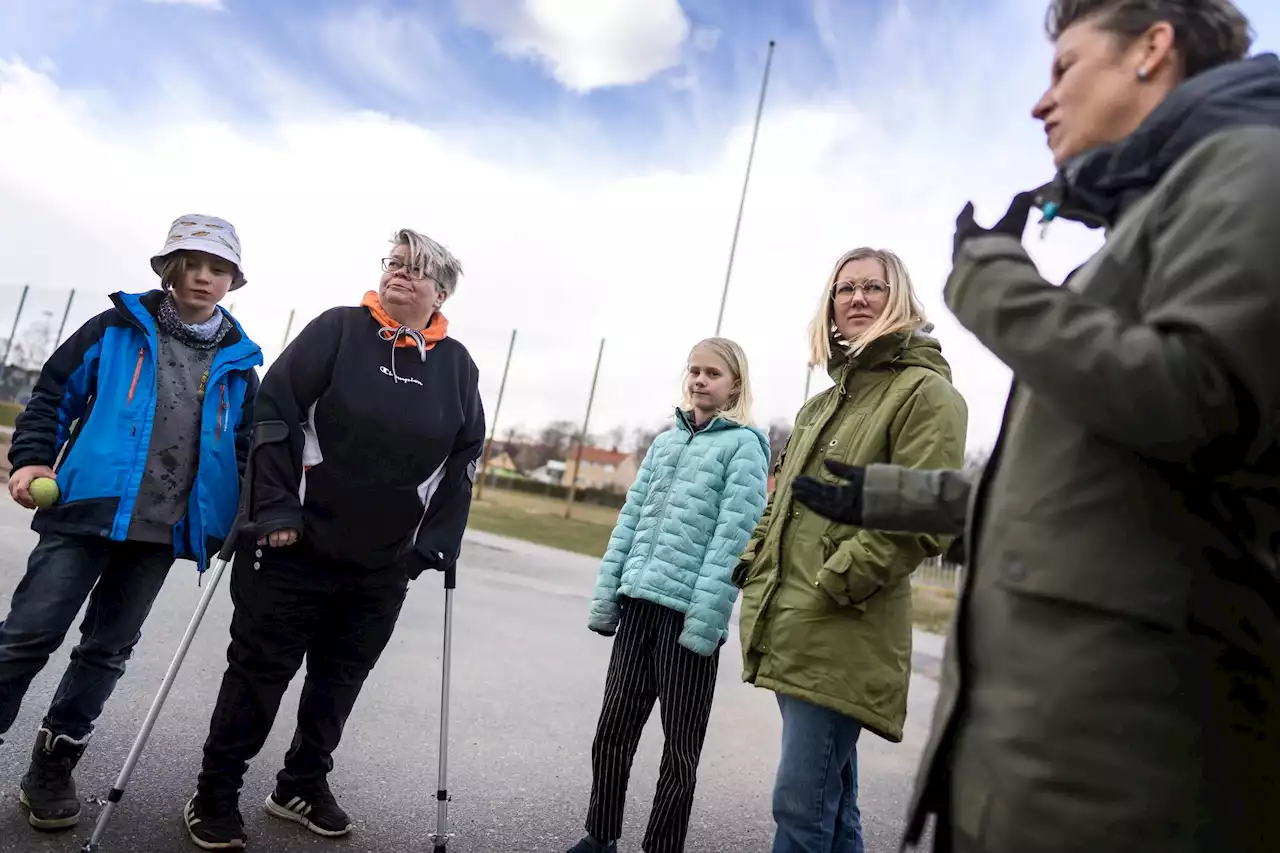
(826, 607)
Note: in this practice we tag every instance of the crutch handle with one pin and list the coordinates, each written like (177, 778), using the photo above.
(267, 432)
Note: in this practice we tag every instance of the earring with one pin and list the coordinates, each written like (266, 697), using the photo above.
(1142, 74)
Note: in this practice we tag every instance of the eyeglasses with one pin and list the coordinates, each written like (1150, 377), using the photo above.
(872, 288)
(395, 265)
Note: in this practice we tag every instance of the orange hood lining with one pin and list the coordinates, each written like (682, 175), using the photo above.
(436, 330)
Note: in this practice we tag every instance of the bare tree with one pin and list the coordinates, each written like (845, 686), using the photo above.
(642, 438)
(555, 439)
(617, 437)
(36, 344)
(527, 458)
(779, 435)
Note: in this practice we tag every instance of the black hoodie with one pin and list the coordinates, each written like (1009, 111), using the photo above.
(383, 443)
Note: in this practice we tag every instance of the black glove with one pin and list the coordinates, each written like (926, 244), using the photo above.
(839, 503)
(415, 563)
(1013, 223)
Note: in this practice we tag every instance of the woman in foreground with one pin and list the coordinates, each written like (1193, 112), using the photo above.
(1112, 682)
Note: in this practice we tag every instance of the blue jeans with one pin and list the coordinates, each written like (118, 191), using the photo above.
(815, 795)
(121, 581)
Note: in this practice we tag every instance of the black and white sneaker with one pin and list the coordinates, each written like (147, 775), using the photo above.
(313, 807)
(214, 826)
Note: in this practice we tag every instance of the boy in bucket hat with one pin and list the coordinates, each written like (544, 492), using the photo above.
(142, 418)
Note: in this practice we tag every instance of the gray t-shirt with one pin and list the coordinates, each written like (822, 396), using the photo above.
(175, 441)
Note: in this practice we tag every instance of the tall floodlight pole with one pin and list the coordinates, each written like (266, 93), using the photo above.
(8, 346)
(62, 327)
(582, 437)
(751, 153)
(288, 327)
(493, 424)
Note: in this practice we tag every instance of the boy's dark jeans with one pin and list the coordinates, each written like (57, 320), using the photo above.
(289, 603)
(121, 581)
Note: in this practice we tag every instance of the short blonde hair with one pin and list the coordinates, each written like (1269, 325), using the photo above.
(738, 409)
(902, 313)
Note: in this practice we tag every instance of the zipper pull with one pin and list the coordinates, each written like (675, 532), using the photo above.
(1050, 212)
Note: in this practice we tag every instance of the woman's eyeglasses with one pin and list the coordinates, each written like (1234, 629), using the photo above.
(395, 265)
(872, 288)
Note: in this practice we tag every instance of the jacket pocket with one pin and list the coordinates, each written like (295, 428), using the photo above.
(832, 577)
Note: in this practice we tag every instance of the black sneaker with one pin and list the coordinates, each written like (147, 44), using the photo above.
(214, 825)
(590, 845)
(47, 789)
(313, 806)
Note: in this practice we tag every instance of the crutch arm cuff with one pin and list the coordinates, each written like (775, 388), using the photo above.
(263, 433)
(269, 432)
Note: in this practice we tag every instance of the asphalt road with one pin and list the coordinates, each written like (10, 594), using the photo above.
(527, 682)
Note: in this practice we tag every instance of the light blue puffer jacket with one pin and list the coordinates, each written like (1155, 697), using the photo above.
(694, 504)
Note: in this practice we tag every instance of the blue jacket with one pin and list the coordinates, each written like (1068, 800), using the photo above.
(91, 414)
(695, 502)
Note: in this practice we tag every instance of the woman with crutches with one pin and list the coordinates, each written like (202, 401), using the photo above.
(372, 487)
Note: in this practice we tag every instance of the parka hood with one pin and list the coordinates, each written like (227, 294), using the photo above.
(907, 349)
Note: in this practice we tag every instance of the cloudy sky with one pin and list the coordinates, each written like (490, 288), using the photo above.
(583, 159)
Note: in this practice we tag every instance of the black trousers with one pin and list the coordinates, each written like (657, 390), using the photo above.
(290, 603)
(648, 665)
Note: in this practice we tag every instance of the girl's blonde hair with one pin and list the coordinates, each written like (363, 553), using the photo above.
(902, 313)
(738, 408)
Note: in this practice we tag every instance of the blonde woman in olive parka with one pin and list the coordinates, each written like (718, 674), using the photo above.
(826, 607)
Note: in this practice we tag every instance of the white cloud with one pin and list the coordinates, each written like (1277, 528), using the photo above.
(586, 45)
(215, 5)
(557, 240)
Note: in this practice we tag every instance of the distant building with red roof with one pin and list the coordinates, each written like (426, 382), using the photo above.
(613, 470)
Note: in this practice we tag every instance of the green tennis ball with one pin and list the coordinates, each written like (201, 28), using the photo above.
(44, 492)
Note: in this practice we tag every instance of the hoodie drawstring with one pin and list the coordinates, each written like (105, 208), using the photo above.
(393, 334)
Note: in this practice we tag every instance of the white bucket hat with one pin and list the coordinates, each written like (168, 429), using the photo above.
(202, 233)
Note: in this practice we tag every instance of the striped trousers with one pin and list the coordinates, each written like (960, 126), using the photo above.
(648, 665)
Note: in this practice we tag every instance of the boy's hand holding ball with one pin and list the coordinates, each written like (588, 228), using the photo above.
(44, 492)
(34, 486)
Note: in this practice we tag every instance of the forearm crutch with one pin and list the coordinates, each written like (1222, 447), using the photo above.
(440, 838)
(263, 434)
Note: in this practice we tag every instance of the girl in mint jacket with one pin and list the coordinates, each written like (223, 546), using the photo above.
(666, 590)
